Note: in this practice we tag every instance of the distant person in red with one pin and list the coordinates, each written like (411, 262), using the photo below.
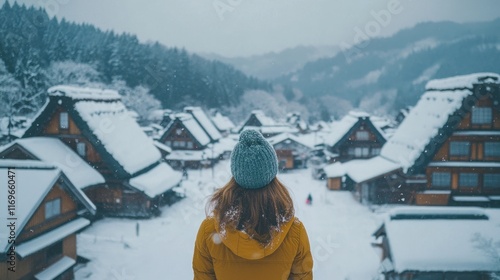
(309, 200)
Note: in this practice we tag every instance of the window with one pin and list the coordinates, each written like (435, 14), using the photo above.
(459, 148)
(357, 152)
(362, 135)
(481, 115)
(492, 149)
(63, 120)
(361, 151)
(52, 208)
(55, 250)
(178, 131)
(468, 180)
(179, 144)
(441, 179)
(350, 151)
(81, 149)
(189, 145)
(375, 151)
(491, 181)
(168, 143)
(365, 151)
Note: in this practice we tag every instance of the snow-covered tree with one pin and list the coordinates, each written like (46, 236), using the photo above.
(70, 72)
(138, 99)
(13, 99)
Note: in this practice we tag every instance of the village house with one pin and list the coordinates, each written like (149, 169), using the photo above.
(191, 145)
(437, 243)
(47, 212)
(95, 124)
(53, 151)
(445, 152)
(295, 120)
(222, 123)
(265, 125)
(354, 137)
(292, 151)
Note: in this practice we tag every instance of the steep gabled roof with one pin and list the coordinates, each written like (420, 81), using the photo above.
(106, 123)
(432, 120)
(54, 151)
(192, 127)
(222, 122)
(33, 181)
(204, 122)
(342, 129)
(287, 136)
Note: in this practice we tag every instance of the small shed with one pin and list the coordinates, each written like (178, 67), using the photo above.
(438, 243)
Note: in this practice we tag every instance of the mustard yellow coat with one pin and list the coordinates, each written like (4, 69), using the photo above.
(233, 255)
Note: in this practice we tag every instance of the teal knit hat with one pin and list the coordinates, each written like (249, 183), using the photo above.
(254, 163)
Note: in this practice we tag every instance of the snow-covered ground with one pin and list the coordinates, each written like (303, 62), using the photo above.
(339, 230)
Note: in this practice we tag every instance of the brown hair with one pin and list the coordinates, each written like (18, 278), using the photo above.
(258, 212)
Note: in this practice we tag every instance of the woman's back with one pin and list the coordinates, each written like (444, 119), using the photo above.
(251, 232)
(234, 255)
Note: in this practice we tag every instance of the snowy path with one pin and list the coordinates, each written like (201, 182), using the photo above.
(339, 230)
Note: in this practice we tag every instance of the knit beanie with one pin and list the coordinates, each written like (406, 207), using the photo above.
(254, 163)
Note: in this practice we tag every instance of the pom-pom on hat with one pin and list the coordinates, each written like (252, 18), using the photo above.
(254, 163)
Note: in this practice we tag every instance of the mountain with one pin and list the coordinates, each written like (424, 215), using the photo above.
(275, 64)
(31, 41)
(384, 74)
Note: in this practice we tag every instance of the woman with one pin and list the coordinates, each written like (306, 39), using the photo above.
(251, 231)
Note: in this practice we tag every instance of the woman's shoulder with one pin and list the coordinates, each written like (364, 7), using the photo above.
(208, 224)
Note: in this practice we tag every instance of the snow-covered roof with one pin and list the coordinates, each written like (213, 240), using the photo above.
(287, 136)
(38, 243)
(361, 170)
(222, 122)
(33, 179)
(204, 122)
(162, 147)
(275, 129)
(119, 133)
(53, 151)
(441, 239)
(338, 129)
(56, 269)
(194, 128)
(441, 100)
(194, 155)
(263, 119)
(461, 82)
(157, 180)
(75, 92)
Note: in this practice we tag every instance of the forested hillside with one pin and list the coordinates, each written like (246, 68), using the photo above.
(39, 51)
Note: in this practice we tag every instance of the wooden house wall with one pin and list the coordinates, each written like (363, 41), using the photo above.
(252, 121)
(285, 159)
(353, 142)
(71, 137)
(116, 199)
(290, 153)
(27, 267)
(15, 153)
(485, 101)
(334, 183)
(455, 171)
(38, 224)
(476, 152)
(171, 135)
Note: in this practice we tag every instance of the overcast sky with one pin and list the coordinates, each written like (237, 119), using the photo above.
(246, 27)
